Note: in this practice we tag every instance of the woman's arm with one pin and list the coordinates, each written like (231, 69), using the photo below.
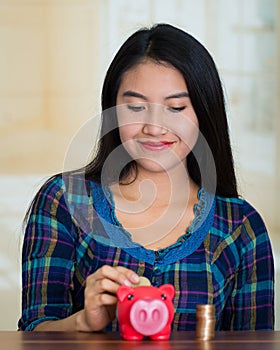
(251, 305)
(48, 266)
(71, 323)
(48, 258)
(100, 301)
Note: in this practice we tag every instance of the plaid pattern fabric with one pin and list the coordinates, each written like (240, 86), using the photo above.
(224, 258)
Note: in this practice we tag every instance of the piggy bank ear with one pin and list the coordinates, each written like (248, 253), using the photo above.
(123, 292)
(168, 289)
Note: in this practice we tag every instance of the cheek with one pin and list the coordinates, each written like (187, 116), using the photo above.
(128, 132)
(189, 136)
(187, 130)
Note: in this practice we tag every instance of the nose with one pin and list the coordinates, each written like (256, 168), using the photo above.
(154, 130)
(153, 124)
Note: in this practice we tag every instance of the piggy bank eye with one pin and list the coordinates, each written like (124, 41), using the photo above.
(163, 296)
(130, 297)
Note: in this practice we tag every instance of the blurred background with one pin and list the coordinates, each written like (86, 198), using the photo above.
(53, 58)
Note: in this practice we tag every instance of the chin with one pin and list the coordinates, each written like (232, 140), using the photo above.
(155, 167)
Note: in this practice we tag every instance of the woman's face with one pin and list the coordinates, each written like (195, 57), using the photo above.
(157, 123)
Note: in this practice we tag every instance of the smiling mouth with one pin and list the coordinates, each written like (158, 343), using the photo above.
(156, 146)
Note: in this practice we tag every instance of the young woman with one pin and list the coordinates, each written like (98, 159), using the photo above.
(158, 200)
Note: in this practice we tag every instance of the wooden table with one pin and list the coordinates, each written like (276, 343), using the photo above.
(111, 341)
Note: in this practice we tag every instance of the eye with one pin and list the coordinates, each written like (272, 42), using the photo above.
(130, 297)
(176, 109)
(163, 296)
(135, 108)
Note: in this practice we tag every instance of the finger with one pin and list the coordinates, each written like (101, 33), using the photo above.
(105, 271)
(130, 275)
(102, 299)
(108, 299)
(101, 293)
(118, 274)
(102, 286)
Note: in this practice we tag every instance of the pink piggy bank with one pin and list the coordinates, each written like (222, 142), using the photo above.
(145, 311)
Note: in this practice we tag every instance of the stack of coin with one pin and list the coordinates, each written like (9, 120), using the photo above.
(143, 281)
(205, 322)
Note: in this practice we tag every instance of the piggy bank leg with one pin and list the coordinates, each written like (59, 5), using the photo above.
(129, 333)
(162, 335)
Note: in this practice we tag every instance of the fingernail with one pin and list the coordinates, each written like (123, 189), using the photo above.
(135, 278)
(127, 283)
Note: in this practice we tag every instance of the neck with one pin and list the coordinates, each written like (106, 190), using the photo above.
(163, 188)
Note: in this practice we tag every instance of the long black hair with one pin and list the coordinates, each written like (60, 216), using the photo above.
(165, 43)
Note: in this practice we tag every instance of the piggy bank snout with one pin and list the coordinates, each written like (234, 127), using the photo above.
(149, 317)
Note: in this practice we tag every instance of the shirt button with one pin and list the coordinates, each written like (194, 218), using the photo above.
(157, 271)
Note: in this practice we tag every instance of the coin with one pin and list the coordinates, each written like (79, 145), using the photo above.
(205, 325)
(143, 281)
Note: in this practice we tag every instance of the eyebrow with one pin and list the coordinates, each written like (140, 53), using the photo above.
(131, 93)
(178, 95)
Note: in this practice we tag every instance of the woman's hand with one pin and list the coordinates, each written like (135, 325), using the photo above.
(100, 297)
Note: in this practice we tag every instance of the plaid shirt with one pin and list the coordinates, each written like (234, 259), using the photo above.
(224, 257)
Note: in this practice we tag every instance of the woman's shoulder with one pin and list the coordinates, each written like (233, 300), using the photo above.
(72, 187)
(72, 182)
(238, 225)
(238, 205)
(238, 211)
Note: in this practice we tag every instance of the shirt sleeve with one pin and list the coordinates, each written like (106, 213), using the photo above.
(47, 258)
(251, 305)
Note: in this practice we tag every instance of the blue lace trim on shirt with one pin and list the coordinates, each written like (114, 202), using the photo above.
(116, 234)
